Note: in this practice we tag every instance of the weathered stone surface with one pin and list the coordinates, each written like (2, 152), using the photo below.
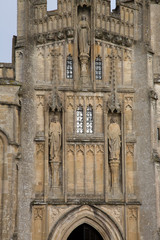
(79, 115)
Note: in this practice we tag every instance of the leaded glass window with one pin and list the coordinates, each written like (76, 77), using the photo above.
(98, 68)
(79, 119)
(69, 67)
(89, 120)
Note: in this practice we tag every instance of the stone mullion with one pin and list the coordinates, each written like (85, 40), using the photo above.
(94, 115)
(45, 228)
(93, 16)
(64, 152)
(75, 169)
(74, 115)
(75, 50)
(46, 154)
(64, 63)
(95, 170)
(45, 64)
(14, 124)
(103, 65)
(84, 115)
(85, 169)
(122, 67)
(94, 173)
(106, 172)
(124, 177)
(123, 134)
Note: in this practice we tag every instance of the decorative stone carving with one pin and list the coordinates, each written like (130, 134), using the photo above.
(56, 212)
(130, 170)
(111, 37)
(99, 148)
(84, 2)
(40, 115)
(113, 103)
(129, 113)
(55, 102)
(38, 213)
(55, 36)
(84, 46)
(39, 166)
(114, 133)
(55, 150)
(133, 232)
(132, 213)
(114, 147)
(70, 102)
(80, 148)
(153, 95)
(84, 36)
(55, 139)
(115, 212)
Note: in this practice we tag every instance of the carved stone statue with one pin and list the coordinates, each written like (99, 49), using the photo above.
(84, 48)
(114, 140)
(84, 36)
(55, 139)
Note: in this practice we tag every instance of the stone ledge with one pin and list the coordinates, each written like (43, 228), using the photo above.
(85, 139)
(86, 201)
(126, 90)
(10, 104)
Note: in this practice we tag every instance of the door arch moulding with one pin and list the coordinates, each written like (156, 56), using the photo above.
(92, 216)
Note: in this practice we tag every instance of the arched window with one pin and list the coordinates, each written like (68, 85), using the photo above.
(79, 113)
(98, 68)
(69, 67)
(89, 120)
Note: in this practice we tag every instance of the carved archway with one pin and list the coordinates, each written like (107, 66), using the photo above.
(92, 216)
(85, 232)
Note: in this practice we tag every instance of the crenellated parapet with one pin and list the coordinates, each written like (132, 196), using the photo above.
(117, 26)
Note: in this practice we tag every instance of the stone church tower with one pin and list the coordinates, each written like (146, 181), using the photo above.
(80, 123)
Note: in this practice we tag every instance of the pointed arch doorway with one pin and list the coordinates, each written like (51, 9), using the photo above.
(84, 232)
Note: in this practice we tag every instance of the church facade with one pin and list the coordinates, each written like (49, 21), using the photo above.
(80, 122)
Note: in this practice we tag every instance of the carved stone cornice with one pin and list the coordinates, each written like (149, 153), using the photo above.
(110, 37)
(54, 36)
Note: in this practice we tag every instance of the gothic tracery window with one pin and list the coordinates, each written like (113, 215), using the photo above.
(89, 120)
(79, 116)
(69, 67)
(98, 68)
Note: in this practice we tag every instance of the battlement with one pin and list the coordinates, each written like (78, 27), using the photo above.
(6, 71)
(119, 22)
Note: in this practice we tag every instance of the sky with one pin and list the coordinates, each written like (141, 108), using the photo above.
(8, 26)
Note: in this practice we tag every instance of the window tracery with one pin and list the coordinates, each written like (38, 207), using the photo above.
(98, 68)
(89, 120)
(69, 67)
(79, 116)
